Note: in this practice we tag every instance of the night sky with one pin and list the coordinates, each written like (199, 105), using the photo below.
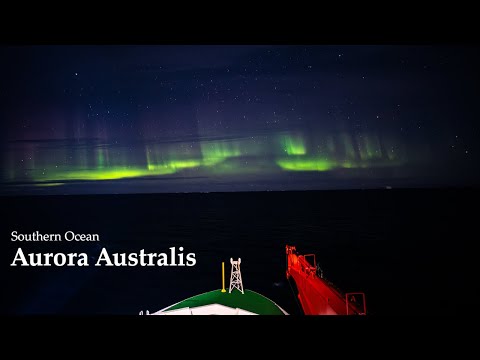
(128, 119)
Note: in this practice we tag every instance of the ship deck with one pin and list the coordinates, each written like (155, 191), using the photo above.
(250, 301)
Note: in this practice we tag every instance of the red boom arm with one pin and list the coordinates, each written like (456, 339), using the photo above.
(317, 297)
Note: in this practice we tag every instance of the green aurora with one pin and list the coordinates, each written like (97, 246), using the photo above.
(278, 153)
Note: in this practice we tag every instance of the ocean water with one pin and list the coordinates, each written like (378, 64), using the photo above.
(412, 252)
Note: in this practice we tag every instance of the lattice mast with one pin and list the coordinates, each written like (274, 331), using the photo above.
(236, 276)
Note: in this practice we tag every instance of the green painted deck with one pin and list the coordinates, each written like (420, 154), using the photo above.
(250, 301)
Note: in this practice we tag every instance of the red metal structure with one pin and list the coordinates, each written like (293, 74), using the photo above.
(316, 295)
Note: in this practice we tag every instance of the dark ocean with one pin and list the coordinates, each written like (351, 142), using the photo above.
(412, 252)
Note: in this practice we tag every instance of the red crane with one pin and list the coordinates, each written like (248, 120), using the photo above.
(317, 296)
